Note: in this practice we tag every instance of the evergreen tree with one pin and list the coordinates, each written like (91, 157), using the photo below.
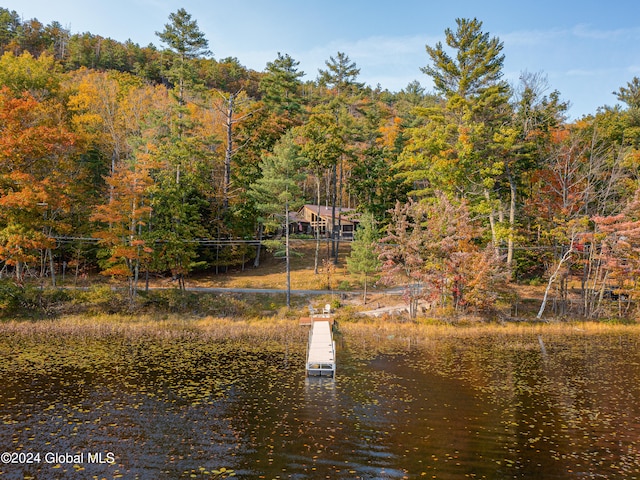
(281, 86)
(457, 150)
(363, 259)
(10, 25)
(177, 223)
(476, 71)
(344, 96)
(340, 75)
(277, 192)
(184, 38)
(630, 94)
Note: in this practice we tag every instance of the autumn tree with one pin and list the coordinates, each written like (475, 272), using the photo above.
(616, 242)
(26, 231)
(36, 165)
(123, 220)
(522, 145)
(431, 248)
(583, 170)
(229, 105)
(40, 77)
(372, 177)
(96, 103)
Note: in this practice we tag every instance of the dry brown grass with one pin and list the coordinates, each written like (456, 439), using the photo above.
(272, 273)
(209, 328)
(230, 328)
(380, 336)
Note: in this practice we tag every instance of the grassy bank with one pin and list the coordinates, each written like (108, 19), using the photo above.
(368, 335)
(104, 326)
(32, 302)
(380, 336)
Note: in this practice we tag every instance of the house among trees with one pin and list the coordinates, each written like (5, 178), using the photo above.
(312, 217)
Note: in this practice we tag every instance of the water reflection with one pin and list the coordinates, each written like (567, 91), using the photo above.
(464, 412)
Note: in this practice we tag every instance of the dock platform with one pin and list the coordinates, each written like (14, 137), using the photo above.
(321, 350)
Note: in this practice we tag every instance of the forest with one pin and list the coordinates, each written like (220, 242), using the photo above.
(134, 161)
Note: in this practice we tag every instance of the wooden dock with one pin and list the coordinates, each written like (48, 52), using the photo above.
(321, 350)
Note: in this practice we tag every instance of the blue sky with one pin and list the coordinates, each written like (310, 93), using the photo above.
(587, 49)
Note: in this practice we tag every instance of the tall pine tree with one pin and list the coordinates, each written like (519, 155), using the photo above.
(277, 193)
(363, 259)
(456, 149)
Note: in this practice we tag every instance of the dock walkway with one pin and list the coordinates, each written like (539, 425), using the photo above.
(321, 350)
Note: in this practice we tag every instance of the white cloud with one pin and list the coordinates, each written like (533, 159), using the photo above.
(586, 31)
(584, 72)
(532, 38)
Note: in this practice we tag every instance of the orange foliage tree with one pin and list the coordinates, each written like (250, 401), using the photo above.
(619, 255)
(124, 219)
(35, 156)
(432, 249)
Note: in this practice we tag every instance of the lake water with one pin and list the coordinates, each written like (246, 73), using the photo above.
(491, 408)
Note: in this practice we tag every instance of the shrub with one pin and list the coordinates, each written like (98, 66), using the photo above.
(10, 295)
(16, 300)
(101, 299)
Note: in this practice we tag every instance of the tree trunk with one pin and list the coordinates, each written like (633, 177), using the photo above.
(19, 272)
(288, 261)
(364, 301)
(552, 279)
(256, 262)
(77, 270)
(334, 193)
(228, 151)
(512, 216)
(317, 230)
(339, 233)
(52, 268)
(492, 222)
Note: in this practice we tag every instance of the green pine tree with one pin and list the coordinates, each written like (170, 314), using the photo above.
(277, 193)
(185, 40)
(364, 260)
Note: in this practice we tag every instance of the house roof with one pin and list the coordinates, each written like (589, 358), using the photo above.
(345, 214)
(296, 217)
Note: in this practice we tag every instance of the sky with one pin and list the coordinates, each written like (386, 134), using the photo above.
(587, 49)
